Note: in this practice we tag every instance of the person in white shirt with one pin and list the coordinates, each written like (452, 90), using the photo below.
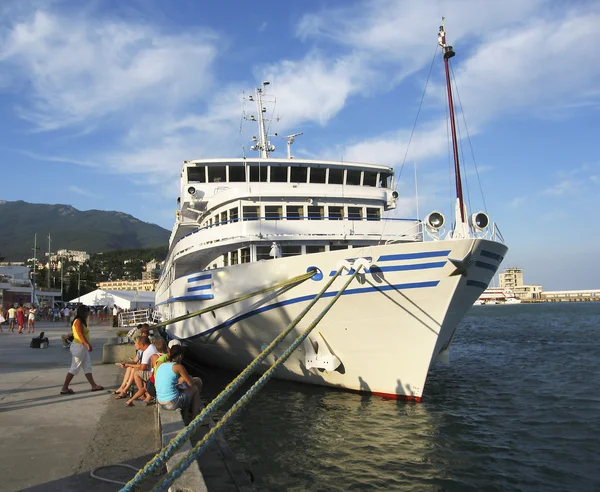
(67, 316)
(143, 369)
(115, 322)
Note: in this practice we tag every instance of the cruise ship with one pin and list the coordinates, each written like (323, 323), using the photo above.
(246, 224)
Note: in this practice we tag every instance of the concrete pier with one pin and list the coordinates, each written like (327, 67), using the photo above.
(52, 441)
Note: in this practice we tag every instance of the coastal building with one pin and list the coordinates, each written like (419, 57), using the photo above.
(512, 278)
(70, 255)
(145, 285)
(572, 295)
(16, 288)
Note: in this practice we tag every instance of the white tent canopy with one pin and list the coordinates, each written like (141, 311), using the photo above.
(125, 299)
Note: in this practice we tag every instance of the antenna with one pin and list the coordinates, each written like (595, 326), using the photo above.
(290, 141)
(261, 144)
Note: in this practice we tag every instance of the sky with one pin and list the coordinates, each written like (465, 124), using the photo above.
(101, 101)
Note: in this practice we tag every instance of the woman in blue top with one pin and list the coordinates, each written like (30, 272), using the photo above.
(174, 386)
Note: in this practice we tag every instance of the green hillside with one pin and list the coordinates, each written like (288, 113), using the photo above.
(93, 231)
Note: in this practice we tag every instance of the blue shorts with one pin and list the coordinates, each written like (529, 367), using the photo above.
(182, 401)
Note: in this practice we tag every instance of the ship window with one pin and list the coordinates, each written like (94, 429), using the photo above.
(279, 174)
(245, 255)
(254, 170)
(336, 176)
(226, 259)
(263, 253)
(315, 213)
(294, 212)
(216, 174)
(317, 174)
(354, 213)
(373, 214)
(250, 213)
(291, 250)
(353, 177)
(315, 249)
(223, 217)
(197, 174)
(216, 220)
(237, 174)
(336, 213)
(337, 247)
(234, 257)
(233, 214)
(299, 175)
(385, 180)
(370, 179)
(273, 212)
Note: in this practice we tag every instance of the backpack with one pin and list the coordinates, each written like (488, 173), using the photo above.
(40, 342)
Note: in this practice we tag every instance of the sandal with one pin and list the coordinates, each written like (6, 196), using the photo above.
(98, 388)
(68, 392)
(120, 396)
(128, 404)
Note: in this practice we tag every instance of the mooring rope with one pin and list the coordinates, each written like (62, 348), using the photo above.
(163, 456)
(208, 439)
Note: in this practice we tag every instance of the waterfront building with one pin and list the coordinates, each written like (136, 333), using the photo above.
(512, 278)
(16, 288)
(70, 255)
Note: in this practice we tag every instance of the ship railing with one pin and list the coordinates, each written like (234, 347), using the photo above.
(412, 233)
(134, 318)
(308, 226)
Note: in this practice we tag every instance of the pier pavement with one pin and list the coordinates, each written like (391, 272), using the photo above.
(51, 442)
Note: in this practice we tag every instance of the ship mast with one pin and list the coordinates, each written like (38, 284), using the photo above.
(448, 53)
(263, 146)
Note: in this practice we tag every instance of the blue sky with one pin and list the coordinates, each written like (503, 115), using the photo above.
(100, 102)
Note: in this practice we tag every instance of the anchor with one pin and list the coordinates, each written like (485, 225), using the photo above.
(322, 357)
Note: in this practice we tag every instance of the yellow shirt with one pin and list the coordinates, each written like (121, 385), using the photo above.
(84, 329)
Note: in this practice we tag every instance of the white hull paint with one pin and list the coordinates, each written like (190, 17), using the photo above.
(386, 329)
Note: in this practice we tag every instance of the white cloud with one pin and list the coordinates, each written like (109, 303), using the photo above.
(81, 68)
(81, 191)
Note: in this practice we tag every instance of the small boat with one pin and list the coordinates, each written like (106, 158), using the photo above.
(250, 223)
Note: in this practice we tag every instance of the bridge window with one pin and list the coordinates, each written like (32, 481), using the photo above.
(353, 177)
(250, 213)
(291, 250)
(385, 180)
(245, 255)
(216, 174)
(273, 212)
(337, 247)
(263, 253)
(237, 174)
(234, 257)
(258, 173)
(299, 175)
(315, 249)
(354, 213)
(223, 217)
(197, 174)
(233, 214)
(370, 179)
(336, 213)
(336, 176)
(315, 213)
(294, 212)
(279, 174)
(373, 214)
(317, 175)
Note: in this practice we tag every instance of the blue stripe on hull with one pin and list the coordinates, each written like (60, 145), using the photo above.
(397, 268)
(198, 287)
(413, 256)
(200, 277)
(201, 297)
(310, 297)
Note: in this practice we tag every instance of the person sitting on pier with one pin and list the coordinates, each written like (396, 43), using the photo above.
(128, 379)
(174, 386)
(146, 392)
(143, 369)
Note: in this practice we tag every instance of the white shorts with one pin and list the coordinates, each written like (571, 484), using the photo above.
(32, 317)
(81, 357)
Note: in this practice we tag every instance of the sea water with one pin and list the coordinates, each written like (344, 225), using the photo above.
(517, 408)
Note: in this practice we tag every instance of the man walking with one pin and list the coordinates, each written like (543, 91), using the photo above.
(12, 315)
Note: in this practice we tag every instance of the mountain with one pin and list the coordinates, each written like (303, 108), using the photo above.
(93, 231)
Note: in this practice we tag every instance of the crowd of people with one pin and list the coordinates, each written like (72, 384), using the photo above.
(158, 375)
(18, 316)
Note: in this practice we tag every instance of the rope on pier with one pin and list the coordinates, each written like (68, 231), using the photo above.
(208, 439)
(163, 456)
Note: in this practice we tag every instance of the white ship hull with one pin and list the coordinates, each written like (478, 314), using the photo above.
(386, 329)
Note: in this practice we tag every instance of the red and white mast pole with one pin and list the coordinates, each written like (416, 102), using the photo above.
(448, 53)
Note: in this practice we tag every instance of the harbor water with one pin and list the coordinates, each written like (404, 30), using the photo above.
(517, 408)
